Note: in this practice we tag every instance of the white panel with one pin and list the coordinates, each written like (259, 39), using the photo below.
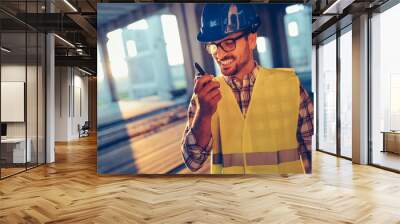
(77, 112)
(12, 101)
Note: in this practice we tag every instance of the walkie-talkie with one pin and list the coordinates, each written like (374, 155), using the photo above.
(200, 69)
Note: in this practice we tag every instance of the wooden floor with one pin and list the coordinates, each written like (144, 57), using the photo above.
(70, 191)
(5, 172)
(387, 159)
(10, 171)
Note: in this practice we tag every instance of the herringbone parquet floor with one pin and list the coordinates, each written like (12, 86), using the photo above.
(70, 191)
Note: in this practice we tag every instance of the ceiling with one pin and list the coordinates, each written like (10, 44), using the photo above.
(74, 22)
(328, 15)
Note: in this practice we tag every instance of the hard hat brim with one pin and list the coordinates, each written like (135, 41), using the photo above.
(201, 37)
(216, 36)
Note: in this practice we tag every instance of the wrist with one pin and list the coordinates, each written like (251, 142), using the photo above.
(204, 115)
(201, 129)
(201, 125)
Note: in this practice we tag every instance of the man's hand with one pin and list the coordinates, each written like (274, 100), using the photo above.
(208, 94)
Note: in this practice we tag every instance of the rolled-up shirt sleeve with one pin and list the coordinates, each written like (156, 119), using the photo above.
(305, 128)
(194, 155)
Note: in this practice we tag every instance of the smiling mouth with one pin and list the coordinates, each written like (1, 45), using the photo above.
(226, 61)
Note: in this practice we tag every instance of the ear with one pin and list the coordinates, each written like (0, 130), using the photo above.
(252, 39)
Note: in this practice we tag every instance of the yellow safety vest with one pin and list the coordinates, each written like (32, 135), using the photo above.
(264, 141)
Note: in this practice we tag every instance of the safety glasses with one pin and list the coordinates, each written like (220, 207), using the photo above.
(226, 45)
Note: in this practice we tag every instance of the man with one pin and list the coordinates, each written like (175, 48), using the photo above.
(252, 119)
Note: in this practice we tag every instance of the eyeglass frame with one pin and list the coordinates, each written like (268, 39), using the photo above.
(219, 45)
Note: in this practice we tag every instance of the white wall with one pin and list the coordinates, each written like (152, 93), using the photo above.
(11, 73)
(80, 100)
(82, 82)
(33, 126)
(16, 73)
(61, 103)
(70, 84)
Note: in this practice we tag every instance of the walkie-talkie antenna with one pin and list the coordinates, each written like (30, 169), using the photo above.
(199, 68)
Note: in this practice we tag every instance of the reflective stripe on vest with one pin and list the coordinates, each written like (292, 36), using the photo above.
(257, 158)
(264, 141)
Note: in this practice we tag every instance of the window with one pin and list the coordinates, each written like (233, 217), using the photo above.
(119, 67)
(116, 49)
(103, 93)
(172, 41)
(264, 52)
(298, 36)
(346, 94)
(146, 58)
(327, 96)
(385, 88)
(22, 87)
(395, 102)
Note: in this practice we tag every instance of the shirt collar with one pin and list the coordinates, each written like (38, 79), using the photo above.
(234, 83)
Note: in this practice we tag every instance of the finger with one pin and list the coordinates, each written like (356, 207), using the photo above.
(215, 99)
(198, 75)
(200, 82)
(204, 94)
(201, 77)
(204, 80)
(208, 88)
(212, 94)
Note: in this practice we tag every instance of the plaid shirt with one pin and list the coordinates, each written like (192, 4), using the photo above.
(194, 155)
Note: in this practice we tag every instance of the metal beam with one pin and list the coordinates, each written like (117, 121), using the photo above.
(338, 6)
(321, 21)
(84, 24)
(82, 61)
(44, 22)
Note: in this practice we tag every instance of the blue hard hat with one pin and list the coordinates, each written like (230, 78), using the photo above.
(220, 20)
